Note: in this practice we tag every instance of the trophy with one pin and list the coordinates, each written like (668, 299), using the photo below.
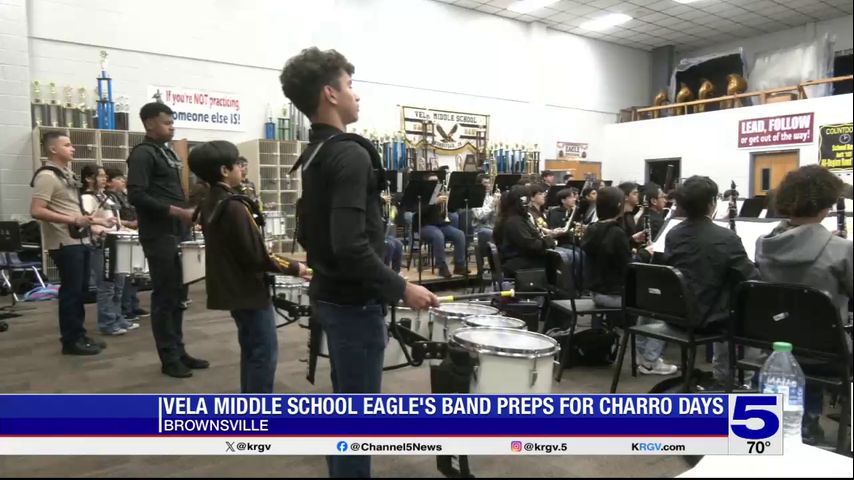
(658, 101)
(83, 111)
(38, 109)
(106, 108)
(685, 95)
(53, 110)
(122, 113)
(707, 90)
(736, 84)
(68, 109)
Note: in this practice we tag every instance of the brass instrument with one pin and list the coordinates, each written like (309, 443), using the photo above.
(732, 194)
(658, 101)
(444, 193)
(684, 95)
(736, 84)
(707, 90)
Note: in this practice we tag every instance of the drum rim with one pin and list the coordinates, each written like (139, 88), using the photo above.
(504, 351)
(522, 323)
(438, 310)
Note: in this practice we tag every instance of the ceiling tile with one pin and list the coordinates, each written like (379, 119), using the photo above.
(488, 9)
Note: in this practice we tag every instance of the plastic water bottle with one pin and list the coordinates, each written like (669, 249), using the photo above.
(782, 374)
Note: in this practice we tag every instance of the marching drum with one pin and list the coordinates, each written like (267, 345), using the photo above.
(193, 260)
(123, 255)
(394, 355)
(274, 224)
(495, 321)
(507, 360)
(295, 290)
(450, 316)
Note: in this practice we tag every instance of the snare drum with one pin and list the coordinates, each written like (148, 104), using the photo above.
(294, 290)
(507, 360)
(193, 260)
(495, 321)
(450, 316)
(123, 255)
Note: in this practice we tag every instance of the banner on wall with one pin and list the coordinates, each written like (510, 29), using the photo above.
(571, 151)
(201, 109)
(835, 146)
(773, 131)
(455, 132)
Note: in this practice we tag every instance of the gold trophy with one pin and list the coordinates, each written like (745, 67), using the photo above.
(735, 85)
(69, 110)
(707, 90)
(38, 110)
(53, 109)
(684, 95)
(658, 101)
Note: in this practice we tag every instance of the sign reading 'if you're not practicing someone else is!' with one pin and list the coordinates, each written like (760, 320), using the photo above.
(772, 131)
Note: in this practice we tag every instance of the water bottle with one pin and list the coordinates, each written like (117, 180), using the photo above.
(782, 374)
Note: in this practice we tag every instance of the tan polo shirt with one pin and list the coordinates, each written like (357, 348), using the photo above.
(62, 196)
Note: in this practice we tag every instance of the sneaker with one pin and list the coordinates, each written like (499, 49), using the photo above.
(141, 313)
(657, 368)
(176, 369)
(444, 272)
(129, 317)
(461, 271)
(130, 326)
(81, 347)
(185, 304)
(114, 332)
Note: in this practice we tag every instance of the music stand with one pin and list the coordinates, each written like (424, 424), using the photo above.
(418, 192)
(466, 192)
(503, 181)
(551, 196)
(753, 207)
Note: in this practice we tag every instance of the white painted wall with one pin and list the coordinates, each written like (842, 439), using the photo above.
(840, 29)
(707, 142)
(414, 52)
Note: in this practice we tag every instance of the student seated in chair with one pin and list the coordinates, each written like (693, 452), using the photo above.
(609, 253)
(711, 257)
(436, 231)
(520, 242)
(801, 251)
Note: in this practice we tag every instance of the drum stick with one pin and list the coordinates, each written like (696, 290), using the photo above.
(471, 296)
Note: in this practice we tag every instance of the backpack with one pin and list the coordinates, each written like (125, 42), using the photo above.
(306, 160)
(594, 347)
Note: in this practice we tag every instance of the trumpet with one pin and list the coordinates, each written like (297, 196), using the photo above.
(443, 192)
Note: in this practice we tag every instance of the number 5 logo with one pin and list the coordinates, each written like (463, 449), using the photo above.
(742, 413)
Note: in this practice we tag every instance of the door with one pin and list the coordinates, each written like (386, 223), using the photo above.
(769, 169)
(656, 171)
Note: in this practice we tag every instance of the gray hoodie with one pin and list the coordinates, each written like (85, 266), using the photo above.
(808, 255)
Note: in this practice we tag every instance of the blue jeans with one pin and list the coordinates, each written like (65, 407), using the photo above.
(130, 299)
(393, 253)
(437, 235)
(484, 235)
(109, 294)
(649, 349)
(356, 336)
(72, 261)
(259, 349)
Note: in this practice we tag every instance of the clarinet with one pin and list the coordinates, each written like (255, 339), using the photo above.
(647, 228)
(841, 228)
(733, 207)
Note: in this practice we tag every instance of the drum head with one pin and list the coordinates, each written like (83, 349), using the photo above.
(505, 342)
(287, 281)
(466, 309)
(494, 321)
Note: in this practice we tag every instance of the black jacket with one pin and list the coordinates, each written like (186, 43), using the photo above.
(342, 225)
(520, 244)
(154, 184)
(713, 260)
(236, 258)
(656, 221)
(609, 254)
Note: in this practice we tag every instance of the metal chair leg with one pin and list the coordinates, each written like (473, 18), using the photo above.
(618, 368)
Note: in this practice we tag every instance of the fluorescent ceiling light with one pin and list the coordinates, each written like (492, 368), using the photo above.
(528, 6)
(605, 22)
(686, 1)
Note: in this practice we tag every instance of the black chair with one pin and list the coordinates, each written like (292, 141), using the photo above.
(661, 292)
(763, 313)
(481, 259)
(568, 302)
(495, 267)
(10, 262)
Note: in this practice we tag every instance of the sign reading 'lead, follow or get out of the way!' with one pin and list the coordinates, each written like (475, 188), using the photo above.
(772, 131)
(202, 109)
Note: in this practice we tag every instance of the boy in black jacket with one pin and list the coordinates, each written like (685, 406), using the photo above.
(237, 261)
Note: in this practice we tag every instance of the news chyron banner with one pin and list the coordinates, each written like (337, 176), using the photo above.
(391, 425)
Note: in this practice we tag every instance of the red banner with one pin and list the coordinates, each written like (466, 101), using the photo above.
(772, 131)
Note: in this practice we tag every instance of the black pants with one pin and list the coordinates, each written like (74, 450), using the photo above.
(73, 264)
(167, 293)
